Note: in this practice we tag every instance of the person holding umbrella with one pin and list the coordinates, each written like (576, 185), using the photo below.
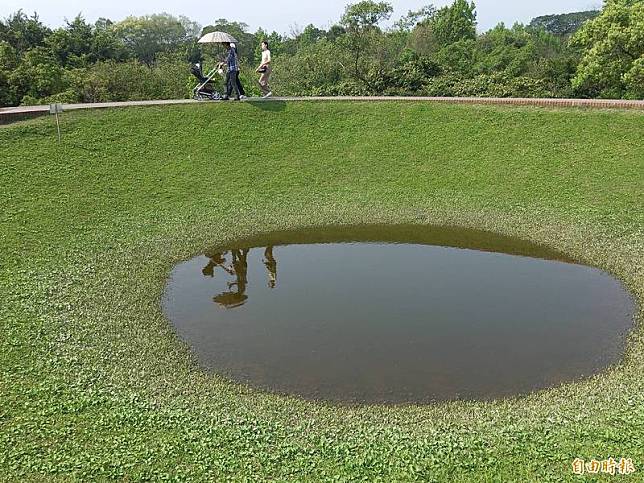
(240, 87)
(231, 60)
(232, 76)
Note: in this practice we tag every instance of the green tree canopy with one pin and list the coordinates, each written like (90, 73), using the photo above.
(335, 32)
(362, 36)
(8, 62)
(413, 18)
(73, 44)
(152, 34)
(106, 45)
(455, 23)
(365, 15)
(563, 24)
(310, 35)
(38, 75)
(22, 32)
(612, 51)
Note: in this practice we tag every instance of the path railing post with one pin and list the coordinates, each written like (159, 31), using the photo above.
(56, 109)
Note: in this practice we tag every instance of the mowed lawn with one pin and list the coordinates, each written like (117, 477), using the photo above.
(95, 385)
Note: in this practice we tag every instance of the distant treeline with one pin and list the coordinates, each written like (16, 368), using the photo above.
(426, 52)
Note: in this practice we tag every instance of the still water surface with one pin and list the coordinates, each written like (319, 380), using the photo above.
(404, 314)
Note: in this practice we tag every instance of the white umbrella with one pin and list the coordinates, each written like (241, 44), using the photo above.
(217, 38)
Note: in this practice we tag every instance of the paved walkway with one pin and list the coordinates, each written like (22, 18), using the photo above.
(11, 113)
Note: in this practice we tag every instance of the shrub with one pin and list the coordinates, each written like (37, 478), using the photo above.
(486, 85)
(108, 81)
(634, 80)
(38, 75)
(316, 69)
(69, 96)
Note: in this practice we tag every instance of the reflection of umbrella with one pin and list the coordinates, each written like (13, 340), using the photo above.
(217, 38)
(231, 300)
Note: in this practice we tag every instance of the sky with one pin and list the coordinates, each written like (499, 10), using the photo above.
(283, 16)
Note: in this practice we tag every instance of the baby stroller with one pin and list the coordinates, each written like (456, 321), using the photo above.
(205, 90)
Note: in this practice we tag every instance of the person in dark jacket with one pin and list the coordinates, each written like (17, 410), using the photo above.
(232, 76)
(240, 87)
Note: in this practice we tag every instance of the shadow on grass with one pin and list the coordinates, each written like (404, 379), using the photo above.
(267, 104)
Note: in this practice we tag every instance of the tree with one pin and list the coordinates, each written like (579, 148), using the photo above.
(80, 44)
(335, 32)
(565, 24)
(310, 35)
(152, 34)
(415, 18)
(318, 70)
(106, 45)
(455, 23)
(612, 51)
(422, 39)
(410, 75)
(23, 33)
(634, 79)
(8, 62)
(366, 15)
(72, 45)
(191, 28)
(503, 49)
(360, 21)
(461, 57)
(38, 75)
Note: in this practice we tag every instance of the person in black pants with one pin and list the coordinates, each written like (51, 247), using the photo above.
(240, 87)
(232, 77)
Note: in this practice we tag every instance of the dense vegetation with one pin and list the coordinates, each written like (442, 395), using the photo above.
(95, 385)
(563, 24)
(426, 52)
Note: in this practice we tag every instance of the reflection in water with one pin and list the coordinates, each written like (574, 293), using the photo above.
(271, 266)
(399, 314)
(217, 259)
(239, 269)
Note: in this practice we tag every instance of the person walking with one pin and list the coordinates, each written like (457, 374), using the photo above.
(265, 70)
(240, 87)
(232, 76)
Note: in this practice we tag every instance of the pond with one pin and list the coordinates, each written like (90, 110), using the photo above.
(397, 314)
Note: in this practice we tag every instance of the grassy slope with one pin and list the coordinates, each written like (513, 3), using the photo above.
(93, 382)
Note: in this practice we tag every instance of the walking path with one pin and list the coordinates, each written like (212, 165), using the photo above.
(8, 114)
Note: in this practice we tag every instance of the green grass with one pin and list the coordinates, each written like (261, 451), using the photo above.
(95, 385)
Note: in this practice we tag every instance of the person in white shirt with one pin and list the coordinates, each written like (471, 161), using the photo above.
(265, 70)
